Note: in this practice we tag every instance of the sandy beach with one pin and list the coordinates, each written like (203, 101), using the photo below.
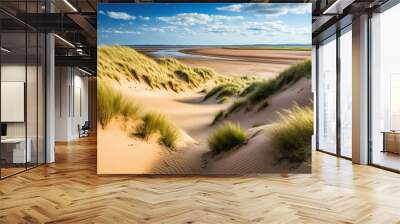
(237, 62)
(194, 117)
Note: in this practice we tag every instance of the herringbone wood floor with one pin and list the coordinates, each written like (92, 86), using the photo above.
(69, 191)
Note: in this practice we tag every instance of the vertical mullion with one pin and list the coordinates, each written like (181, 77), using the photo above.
(0, 92)
(317, 97)
(37, 90)
(338, 98)
(45, 87)
(369, 89)
(73, 92)
(26, 86)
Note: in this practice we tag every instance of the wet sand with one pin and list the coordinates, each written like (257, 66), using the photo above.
(240, 62)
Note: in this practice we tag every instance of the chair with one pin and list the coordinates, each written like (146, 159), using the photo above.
(84, 130)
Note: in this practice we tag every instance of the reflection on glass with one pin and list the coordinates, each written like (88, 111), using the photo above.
(31, 100)
(41, 99)
(14, 153)
(22, 89)
(385, 114)
(327, 96)
(346, 93)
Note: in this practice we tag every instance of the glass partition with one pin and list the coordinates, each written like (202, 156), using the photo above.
(41, 97)
(385, 89)
(346, 92)
(14, 153)
(22, 78)
(32, 96)
(327, 95)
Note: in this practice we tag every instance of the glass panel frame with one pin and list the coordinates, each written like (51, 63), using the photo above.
(384, 133)
(327, 95)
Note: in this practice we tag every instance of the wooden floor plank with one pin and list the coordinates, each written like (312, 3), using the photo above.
(70, 191)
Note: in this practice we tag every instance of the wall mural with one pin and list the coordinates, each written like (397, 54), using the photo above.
(204, 88)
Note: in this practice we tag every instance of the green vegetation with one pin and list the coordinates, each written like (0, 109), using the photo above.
(258, 91)
(291, 138)
(222, 100)
(257, 125)
(112, 103)
(119, 63)
(250, 88)
(239, 103)
(262, 90)
(263, 105)
(158, 123)
(231, 88)
(218, 116)
(226, 137)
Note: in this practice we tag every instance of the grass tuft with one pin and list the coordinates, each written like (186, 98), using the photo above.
(158, 123)
(250, 88)
(263, 90)
(218, 116)
(112, 103)
(291, 138)
(225, 90)
(238, 104)
(226, 137)
(222, 100)
(263, 106)
(258, 91)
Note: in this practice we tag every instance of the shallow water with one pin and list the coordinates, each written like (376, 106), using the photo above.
(176, 53)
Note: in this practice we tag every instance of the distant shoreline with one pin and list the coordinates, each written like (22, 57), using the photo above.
(260, 55)
(243, 47)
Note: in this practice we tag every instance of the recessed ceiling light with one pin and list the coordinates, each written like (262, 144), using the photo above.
(64, 40)
(70, 5)
(5, 50)
(86, 72)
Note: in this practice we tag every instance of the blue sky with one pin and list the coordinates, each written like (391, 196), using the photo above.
(204, 23)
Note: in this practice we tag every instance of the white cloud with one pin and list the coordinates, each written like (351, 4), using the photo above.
(256, 29)
(102, 12)
(120, 32)
(120, 15)
(191, 19)
(220, 28)
(161, 29)
(269, 9)
(145, 18)
(221, 24)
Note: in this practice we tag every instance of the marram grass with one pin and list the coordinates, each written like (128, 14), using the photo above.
(291, 138)
(112, 103)
(258, 91)
(119, 63)
(157, 123)
(226, 137)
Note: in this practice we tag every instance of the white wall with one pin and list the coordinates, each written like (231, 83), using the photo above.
(12, 73)
(71, 102)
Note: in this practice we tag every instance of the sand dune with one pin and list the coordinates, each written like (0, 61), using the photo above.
(193, 117)
(120, 153)
(300, 93)
(255, 157)
(190, 114)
